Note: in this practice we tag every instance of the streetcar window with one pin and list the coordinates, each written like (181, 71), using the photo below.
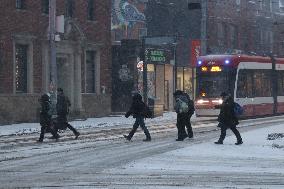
(254, 83)
(245, 84)
(280, 83)
(211, 84)
(262, 83)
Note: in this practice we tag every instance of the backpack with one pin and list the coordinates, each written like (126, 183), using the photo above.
(181, 106)
(191, 107)
(238, 109)
(148, 113)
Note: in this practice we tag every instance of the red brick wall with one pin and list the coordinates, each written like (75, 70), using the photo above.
(31, 21)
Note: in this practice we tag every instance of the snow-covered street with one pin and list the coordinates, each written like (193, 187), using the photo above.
(91, 162)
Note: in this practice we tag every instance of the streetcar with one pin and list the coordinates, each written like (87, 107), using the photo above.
(255, 82)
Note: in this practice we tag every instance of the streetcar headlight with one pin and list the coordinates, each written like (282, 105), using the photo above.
(220, 101)
(201, 101)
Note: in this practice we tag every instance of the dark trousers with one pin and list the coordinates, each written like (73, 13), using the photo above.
(139, 122)
(188, 126)
(46, 127)
(62, 123)
(224, 129)
(182, 121)
(67, 125)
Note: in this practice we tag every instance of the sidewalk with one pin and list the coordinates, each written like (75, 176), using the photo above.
(93, 123)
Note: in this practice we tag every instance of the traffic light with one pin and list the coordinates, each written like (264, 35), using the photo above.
(193, 6)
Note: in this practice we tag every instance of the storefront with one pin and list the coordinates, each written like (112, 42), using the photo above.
(160, 74)
(185, 80)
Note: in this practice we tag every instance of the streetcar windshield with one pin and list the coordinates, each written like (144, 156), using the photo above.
(211, 84)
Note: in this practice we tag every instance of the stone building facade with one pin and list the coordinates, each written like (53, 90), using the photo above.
(83, 57)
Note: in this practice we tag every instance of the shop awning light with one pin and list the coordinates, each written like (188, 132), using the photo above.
(199, 62)
(227, 61)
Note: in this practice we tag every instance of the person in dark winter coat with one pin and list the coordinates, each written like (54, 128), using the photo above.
(62, 108)
(45, 118)
(227, 119)
(190, 112)
(137, 109)
(182, 115)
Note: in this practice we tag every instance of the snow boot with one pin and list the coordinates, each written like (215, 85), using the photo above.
(219, 142)
(127, 137)
(239, 142)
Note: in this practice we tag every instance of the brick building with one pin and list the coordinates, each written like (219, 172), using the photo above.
(83, 57)
(222, 26)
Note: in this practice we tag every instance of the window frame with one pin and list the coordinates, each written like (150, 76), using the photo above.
(91, 10)
(92, 62)
(69, 8)
(45, 6)
(24, 40)
(20, 4)
(280, 82)
(23, 76)
(263, 76)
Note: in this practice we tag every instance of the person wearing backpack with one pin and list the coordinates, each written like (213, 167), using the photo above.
(190, 112)
(137, 109)
(45, 118)
(62, 108)
(227, 119)
(181, 108)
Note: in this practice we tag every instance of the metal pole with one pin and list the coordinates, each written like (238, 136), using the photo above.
(145, 80)
(204, 27)
(175, 67)
(53, 66)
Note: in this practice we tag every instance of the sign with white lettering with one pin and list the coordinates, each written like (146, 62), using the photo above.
(155, 56)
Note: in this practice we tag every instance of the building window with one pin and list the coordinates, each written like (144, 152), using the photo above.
(69, 5)
(45, 6)
(142, 32)
(20, 4)
(91, 10)
(21, 69)
(90, 72)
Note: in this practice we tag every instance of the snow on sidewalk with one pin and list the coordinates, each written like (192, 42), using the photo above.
(96, 123)
(256, 155)
(103, 122)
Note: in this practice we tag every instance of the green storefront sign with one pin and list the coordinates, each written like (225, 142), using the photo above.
(155, 56)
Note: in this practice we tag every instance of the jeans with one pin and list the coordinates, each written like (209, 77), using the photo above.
(139, 122)
(224, 129)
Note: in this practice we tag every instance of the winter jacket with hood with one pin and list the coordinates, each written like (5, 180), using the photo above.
(227, 116)
(137, 107)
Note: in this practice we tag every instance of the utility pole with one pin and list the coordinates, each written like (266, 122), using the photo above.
(145, 79)
(53, 66)
(204, 9)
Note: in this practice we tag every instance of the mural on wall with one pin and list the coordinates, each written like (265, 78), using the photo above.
(126, 14)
